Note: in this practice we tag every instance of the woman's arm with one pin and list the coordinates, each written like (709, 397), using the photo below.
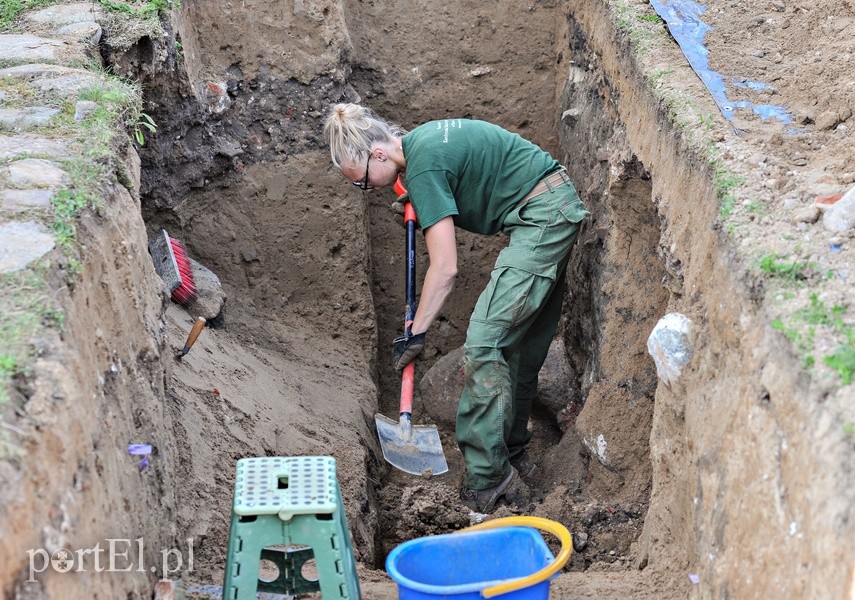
(439, 277)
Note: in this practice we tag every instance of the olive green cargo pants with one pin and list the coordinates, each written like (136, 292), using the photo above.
(510, 330)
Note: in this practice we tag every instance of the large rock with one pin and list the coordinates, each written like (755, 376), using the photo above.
(210, 297)
(442, 385)
(670, 344)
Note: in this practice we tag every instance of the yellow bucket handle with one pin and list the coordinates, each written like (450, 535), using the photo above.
(556, 529)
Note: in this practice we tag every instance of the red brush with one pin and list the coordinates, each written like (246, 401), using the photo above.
(185, 292)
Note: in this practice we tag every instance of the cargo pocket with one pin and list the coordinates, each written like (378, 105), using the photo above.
(518, 286)
(574, 211)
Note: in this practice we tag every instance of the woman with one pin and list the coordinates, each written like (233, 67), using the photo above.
(482, 178)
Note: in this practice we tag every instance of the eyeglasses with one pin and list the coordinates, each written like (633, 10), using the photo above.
(363, 183)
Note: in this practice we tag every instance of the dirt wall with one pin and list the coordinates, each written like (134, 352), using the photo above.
(96, 387)
(738, 482)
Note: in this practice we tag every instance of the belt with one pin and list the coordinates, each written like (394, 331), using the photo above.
(548, 183)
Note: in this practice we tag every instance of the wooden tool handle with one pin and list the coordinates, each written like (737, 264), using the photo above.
(198, 326)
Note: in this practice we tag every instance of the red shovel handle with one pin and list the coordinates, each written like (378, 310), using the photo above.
(407, 379)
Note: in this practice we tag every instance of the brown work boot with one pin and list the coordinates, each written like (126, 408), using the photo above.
(524, 465)
(484, 501)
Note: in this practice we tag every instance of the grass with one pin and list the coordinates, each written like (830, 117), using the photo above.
(119, 106)
(792, 270)
(26, 306)
(149, 8)
(10, 10)
(804, 326)
(645, 29)
(726, 183)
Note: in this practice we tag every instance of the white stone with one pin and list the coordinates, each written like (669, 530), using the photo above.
(670, 345)
(840, 216)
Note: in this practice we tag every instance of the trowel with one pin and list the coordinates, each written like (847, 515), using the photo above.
(415, 449)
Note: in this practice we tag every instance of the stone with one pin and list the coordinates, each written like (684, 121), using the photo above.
(84, 108)
(215, 95)
(87, 32)
(823, 202)
(64, 81)
(21, 243)
(570, 116)
(38, 172)
(21, 119)
(671, 347)
(21, 200)
(210, 296)
(165, 590)
(806, 214)
(840, 216)
(27, 47)
(827, 120)
(442, 385)
(33, 71)
(67, 86)
(13, 146)
(64, 14)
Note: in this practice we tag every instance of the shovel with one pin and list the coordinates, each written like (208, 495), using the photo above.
(415, 449)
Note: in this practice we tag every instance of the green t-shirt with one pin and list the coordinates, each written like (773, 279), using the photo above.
(473, 171)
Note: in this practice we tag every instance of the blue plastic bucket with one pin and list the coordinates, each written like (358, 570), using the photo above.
(460, 565)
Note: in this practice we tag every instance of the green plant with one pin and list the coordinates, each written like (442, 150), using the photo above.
(708, 121)
(773, 265)
(67, 205)
(756, 208)
(10, 10)
(804, 326)
(24, 298)
(842, 360)
(656, 77)
(818, 314)
(645, 30)
(149, 8)
(792, 334)
(725, 183)
(143, 121)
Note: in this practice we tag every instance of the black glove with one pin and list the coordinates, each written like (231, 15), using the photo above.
(405, 349)
(398, 208)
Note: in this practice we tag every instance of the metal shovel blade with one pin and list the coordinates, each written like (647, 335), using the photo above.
(413, 449)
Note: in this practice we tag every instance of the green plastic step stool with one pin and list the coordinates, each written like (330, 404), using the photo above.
(280, 503)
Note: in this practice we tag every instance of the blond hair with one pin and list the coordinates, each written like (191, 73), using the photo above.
(352, 130)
